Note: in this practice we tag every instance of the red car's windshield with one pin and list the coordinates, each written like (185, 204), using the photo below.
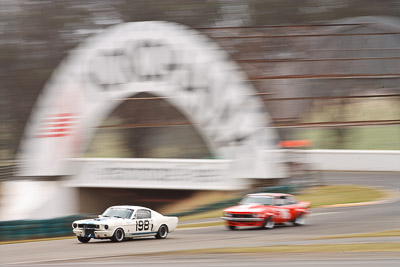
(263, 200)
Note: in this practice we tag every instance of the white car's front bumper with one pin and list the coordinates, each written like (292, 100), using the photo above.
(93, 234)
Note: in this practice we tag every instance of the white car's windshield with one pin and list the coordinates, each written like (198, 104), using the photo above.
(263, 200)
(118, 212)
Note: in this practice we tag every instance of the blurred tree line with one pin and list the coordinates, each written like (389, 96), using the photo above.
(36, 35)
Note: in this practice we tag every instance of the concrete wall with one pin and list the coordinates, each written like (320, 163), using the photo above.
(30, 199)
(353, 160)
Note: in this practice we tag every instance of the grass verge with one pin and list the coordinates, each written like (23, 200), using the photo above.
(199, 199)
(389, 233)
(206, 224)
(204, 215)
(341, 194)
(36, 240)
(321, 248)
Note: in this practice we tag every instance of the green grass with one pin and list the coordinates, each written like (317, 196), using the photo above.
(366, 137)
(341, 194)
(377, 138)
(198, 199)
(204, 215)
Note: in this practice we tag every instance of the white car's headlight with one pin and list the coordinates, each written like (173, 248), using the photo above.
(106, 227)
(74, 225)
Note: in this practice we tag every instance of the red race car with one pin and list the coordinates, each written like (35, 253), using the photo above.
(265, 210)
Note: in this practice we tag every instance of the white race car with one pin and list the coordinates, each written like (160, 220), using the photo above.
(121, 222)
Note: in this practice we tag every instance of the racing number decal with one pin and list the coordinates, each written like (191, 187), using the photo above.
(143, 225)
(284, 214)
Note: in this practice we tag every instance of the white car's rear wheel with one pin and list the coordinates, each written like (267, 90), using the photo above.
(118, 235)
(162, 232)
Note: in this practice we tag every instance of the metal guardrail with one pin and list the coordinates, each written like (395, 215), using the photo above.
(34, 229)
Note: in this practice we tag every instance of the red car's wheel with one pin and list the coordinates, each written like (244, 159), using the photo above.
(300, 220)
(269, 223)
(232, 227)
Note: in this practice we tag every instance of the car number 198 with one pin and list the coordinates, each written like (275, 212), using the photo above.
(143, 225)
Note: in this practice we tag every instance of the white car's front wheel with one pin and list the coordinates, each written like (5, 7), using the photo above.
(118, 235)
(162, 232)
(83, 239)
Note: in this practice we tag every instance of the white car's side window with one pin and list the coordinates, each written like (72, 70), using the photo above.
(143, 214)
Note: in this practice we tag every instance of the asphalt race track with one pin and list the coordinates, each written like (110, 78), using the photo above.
(322, 222)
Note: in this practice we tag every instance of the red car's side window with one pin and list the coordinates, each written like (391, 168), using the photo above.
(291, 200)
(279, 201)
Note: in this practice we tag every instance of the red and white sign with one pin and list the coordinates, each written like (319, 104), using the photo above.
(57, 125)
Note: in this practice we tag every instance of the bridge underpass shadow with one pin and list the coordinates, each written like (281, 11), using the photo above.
(97, 200)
